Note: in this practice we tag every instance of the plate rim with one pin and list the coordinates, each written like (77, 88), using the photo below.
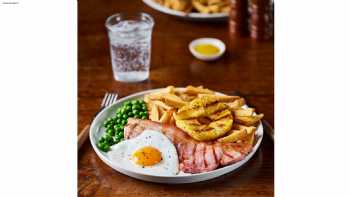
(221, 171)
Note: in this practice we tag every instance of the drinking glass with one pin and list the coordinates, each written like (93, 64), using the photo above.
(130, 45)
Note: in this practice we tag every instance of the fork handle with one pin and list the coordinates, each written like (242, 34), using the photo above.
(83, 135)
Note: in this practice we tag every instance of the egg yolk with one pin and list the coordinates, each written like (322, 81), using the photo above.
(206, 49)
(147, 156)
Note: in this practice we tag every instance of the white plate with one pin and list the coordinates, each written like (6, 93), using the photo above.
(97, 130)
(191, 15)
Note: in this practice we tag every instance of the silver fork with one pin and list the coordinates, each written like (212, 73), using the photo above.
(107, 100)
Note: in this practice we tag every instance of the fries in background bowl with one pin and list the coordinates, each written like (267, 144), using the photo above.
(201, 6)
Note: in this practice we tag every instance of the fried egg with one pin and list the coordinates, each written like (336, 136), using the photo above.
(150, 153)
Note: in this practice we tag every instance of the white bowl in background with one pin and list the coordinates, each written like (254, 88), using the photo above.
(213, 41)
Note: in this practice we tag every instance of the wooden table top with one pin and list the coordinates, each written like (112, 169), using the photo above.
(247, 67)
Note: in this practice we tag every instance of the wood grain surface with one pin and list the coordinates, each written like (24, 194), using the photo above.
(247, 67)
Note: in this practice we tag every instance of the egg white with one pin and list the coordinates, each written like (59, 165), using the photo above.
(121, 154)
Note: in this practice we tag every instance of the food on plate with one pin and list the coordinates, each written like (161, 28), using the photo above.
(196, 90)
(236, 105)
(150, 153)
(180, 5)
(204, 119)
(200, 112)
(249, 120)
(211, 6)
(115, 125)
(202, 6)
(191, 129)
(244, 112)
(169, 100)
(237, 135)
(194, 156)
(219, 98)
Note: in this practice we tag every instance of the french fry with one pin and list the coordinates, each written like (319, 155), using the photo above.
(173, 100)
(250, 138)
(154, 113)
(200, 7)
(225, 9)
(186, 97)
(161, 111)
(162, 105)
(166, 116)
(220, 98)
(249, 129)
(214, 8)
(154, 96)
(237, 104)
(234, 136)
(170, 90)
(197, 90)
(244, 112)
(213, 2)
(167, 4)
(249, 120)
(172, 119)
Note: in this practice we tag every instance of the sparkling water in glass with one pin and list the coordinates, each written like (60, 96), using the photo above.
(130, 46)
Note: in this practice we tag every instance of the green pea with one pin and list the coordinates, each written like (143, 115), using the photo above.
(130, 114)
(109, 140)
(110, 132)
(144, 107)
(120, 136)
(119, 121)
(102, 140)
(135, 112)
(109, 126)
(124, 122)
(144, 117)
(116, 140)
(100, 145)
(134, 102)
(128, 108)
(135, 107)
(105, 147)
(120, 129)
(125, 116)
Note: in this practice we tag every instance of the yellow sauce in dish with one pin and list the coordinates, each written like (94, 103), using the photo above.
(207, 49)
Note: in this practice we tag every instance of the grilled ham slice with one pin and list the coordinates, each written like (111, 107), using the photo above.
(194, 156)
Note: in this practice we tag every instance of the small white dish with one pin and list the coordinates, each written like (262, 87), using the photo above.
(213, 41)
